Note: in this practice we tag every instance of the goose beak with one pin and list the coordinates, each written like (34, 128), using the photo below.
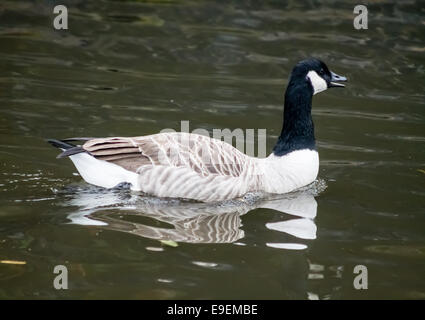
(335, 79)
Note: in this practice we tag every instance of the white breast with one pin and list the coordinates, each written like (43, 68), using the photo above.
(286, 173)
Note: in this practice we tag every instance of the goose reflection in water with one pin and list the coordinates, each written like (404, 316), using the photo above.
(194, 222)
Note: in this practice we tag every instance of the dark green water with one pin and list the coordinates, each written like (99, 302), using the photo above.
(126, 68)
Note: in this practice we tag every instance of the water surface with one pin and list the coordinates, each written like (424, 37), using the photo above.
(127, 68)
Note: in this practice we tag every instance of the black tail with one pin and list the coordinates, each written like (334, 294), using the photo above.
(60, 144)
(68, 148)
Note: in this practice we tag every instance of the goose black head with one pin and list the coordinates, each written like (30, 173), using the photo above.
(317, 74)
(308, 77)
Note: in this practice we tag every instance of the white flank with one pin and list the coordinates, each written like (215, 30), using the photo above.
(318, 83)
(102, 173)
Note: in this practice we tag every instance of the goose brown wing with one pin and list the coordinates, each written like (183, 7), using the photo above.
(202, 154)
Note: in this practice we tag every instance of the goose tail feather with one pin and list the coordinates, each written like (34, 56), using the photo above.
(67, 148)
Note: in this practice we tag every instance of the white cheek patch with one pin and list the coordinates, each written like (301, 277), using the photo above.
(318, 83)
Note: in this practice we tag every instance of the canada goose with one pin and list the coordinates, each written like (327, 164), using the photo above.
(192, 166)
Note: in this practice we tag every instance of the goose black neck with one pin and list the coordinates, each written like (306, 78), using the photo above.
(298, 129)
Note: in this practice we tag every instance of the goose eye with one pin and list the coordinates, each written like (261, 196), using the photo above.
(322, 72)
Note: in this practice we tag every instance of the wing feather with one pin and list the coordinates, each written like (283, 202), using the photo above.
(201, 154)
